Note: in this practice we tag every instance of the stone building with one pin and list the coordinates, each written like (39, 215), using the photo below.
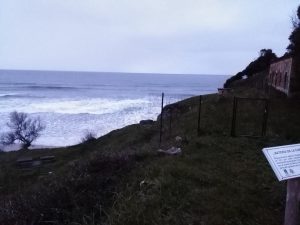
(284, 75)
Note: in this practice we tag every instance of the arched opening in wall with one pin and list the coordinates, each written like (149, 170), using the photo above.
(285, 81)
(279, 79)
(275, 79)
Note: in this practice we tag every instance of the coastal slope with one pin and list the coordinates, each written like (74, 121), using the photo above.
(121, 178)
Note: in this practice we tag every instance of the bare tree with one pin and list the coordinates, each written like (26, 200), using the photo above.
(23, 129)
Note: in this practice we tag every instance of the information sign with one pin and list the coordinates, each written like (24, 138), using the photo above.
(284, 160)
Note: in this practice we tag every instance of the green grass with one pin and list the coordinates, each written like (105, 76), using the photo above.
(121, 179)
(215, 181)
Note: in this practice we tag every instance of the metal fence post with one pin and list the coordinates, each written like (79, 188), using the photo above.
(161, 118)
(233, 122)
(265, 119)
(170, 122)
(199, 115)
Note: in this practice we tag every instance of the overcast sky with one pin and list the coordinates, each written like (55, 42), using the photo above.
(162, 36)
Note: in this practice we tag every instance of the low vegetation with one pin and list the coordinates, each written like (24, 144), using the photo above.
(89, 136)
(120, 178)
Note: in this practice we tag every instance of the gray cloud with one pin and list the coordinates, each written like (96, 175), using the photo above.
(166, 36)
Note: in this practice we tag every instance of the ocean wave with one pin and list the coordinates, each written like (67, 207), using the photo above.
(16, 83)
(41, 87)
(9, 96)
(67, 119)
(87, 106)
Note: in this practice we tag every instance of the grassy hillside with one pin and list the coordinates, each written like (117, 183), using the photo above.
(121, 178)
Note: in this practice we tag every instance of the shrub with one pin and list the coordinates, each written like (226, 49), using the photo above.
(89, 136)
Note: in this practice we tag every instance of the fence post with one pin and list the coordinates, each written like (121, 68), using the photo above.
(170, 122)
(233, 122)
(161, 118)
(199, 115)
(265, 119)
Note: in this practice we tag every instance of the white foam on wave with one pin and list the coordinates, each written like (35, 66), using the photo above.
(91, 106)
(71, 106)
(67, 120)
(68, 129)
(8, 94)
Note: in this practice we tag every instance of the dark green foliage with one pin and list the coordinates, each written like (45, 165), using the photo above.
(263, 62)
(294, 46)
(230, 80)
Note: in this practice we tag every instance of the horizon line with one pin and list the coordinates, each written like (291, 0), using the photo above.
(82, 71)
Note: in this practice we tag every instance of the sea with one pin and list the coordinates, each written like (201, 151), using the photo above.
(70, 104)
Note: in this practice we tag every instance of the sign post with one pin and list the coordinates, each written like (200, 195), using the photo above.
(292, 212)
(285, 162)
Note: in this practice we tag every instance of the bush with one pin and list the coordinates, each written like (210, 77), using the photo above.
(89, 136)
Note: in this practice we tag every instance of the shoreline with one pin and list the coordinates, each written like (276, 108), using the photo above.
(17, 147)
(70, 107)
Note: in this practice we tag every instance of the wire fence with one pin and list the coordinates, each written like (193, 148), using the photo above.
(228, 116)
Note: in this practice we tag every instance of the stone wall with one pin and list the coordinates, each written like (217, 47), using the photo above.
(280, 75)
